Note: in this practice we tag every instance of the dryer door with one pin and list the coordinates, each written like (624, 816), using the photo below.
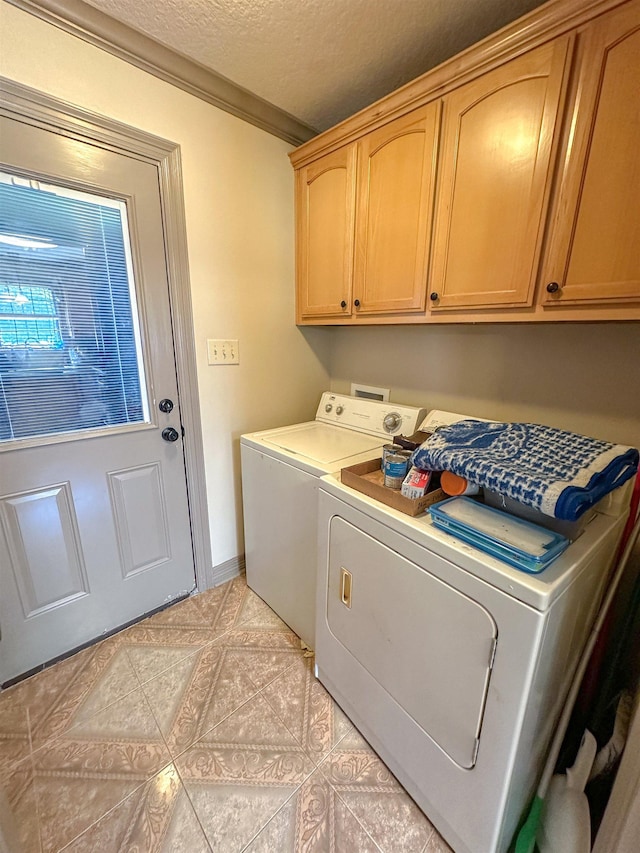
(428, 645)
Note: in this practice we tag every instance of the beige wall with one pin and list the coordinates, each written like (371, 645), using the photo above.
(581, 377)
(238, 187)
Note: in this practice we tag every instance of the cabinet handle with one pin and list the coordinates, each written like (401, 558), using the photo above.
(343, 304)
(433, 296)
(356, 302)
(553, 287)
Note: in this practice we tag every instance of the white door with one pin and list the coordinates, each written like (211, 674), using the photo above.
(94, 522)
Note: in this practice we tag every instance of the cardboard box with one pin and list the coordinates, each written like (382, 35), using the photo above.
(411, 442)
(366, 477)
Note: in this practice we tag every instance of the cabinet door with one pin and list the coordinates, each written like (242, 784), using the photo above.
(396, 166)
(594, 252)
(497, 140)
(325, 195)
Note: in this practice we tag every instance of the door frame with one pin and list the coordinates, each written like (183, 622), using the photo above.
(48, 113)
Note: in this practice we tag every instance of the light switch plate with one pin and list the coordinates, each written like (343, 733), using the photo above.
(222, 352)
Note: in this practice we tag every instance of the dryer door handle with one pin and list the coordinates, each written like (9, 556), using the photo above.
(346, 580)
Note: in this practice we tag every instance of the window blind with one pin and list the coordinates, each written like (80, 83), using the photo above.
(70, 347)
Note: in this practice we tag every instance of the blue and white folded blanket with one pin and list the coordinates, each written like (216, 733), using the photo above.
(559, 473)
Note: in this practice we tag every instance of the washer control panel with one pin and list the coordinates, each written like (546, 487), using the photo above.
(371, 416)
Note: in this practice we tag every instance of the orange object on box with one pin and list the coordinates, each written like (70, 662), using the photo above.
(454, 485)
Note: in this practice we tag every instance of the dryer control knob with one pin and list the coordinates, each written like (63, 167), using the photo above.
(392, 421)
(339, 410)
(328, 407)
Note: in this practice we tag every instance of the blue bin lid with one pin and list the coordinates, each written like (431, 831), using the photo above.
(520, 543)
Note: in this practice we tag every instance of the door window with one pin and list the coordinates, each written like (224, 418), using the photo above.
(70, 341)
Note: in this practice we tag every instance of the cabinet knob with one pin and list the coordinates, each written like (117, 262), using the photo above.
(356, 302)
(433, 296)
(553, 287)
(343, 304)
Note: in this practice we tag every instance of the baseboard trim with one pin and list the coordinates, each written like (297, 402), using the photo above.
(226, 571)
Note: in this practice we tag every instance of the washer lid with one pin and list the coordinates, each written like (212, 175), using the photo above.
(320, 443)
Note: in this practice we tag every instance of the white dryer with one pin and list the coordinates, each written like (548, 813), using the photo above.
(450, 662)
(280, 473)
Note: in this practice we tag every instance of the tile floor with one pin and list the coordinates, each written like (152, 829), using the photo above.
(199, 729)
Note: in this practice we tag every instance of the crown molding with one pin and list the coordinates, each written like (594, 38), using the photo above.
(101, 30)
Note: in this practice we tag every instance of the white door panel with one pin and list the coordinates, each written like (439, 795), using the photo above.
(429, 645)
(94, 518)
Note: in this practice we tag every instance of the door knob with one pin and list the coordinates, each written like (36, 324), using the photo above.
(166, 406)
(170, 434)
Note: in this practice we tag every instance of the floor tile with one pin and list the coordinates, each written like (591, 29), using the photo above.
(93, 766)
(183, 628)
(314, 820)
(75, 689)
(14, 729)
(157, 818)
(201, 728)
(191, 697)
(241, 772)
(374, 796)
(307, 710)
(150, 659)
(437, 844)
(18, 808)
(256, 613)
(262, 654)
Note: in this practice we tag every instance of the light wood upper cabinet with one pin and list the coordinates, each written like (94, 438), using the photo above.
(395, 188)
(594, 249)
(325, 198)
(363, 236)
(502, 186)
(494, 179)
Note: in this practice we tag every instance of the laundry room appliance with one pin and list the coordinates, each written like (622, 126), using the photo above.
(452, 663)
(280, 473)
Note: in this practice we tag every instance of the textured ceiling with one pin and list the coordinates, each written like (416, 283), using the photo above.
(319, 60)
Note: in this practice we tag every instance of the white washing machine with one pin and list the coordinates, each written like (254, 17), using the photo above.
(280, 472)
(451, 663)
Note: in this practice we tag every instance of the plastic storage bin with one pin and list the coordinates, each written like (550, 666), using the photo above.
(520, 543)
